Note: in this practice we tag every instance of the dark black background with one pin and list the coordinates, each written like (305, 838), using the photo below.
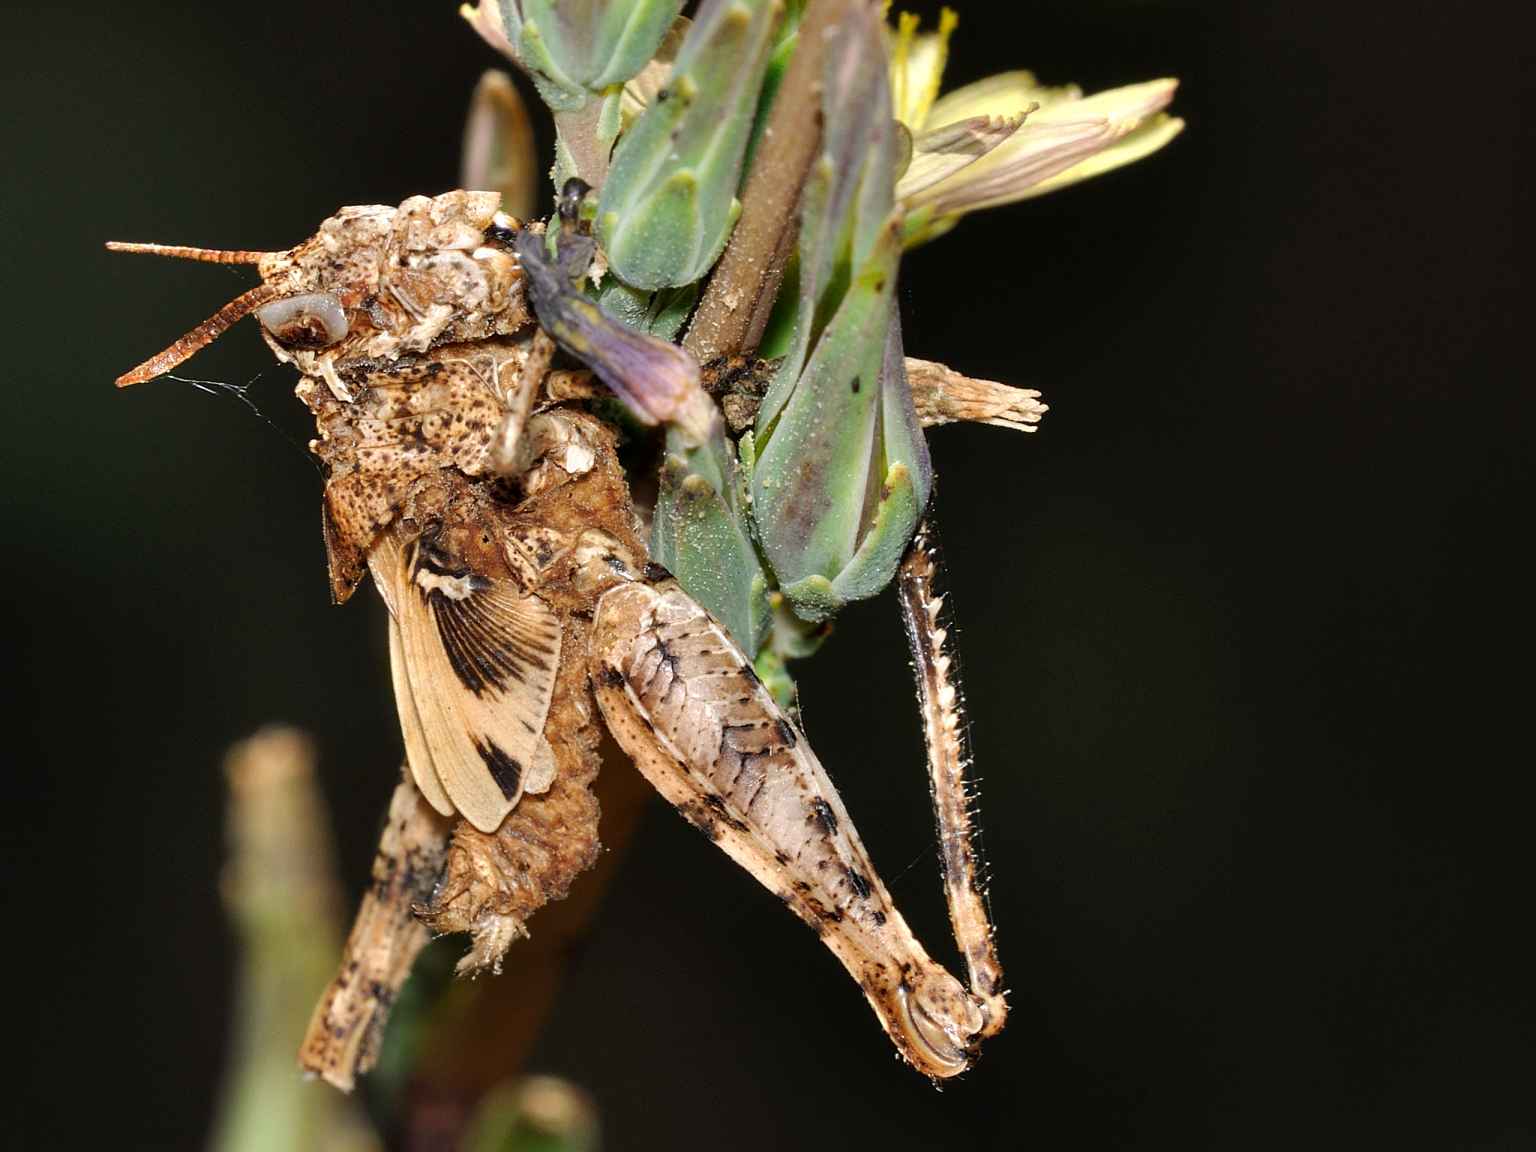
(1239, 622)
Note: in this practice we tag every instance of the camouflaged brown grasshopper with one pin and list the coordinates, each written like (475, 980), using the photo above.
(487, 501)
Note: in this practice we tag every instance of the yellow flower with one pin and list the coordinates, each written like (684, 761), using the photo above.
(1007, 137)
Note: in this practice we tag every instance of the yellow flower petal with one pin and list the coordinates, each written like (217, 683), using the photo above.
(1067, 139)
(1135, 145)
(1124, 107)
(917, 67)
(1004, 94)
(1031, 155)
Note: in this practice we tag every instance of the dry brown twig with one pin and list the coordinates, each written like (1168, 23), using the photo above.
(739, 298)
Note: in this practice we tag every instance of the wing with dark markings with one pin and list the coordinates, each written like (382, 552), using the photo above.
(475, 668)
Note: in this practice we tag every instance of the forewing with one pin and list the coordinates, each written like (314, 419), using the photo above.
(385, 564)
(418, 754)
(479, 658)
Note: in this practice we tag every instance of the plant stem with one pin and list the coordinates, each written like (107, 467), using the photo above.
(736, 304)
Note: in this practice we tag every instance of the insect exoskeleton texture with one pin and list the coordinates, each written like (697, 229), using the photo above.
(683, 701)
(491, 597)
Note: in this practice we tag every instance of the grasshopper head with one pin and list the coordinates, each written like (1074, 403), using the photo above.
(373, 284)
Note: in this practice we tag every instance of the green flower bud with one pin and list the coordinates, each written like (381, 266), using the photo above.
(843, 473)
(669, 201)
(575, 49)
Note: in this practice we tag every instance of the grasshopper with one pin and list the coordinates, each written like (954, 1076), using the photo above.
(475, 483)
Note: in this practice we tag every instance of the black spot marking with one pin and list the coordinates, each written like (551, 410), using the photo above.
(786, 733)
(701, 820)
(856, 385)
(860, 885)
(823, 913)
(879, 919)
(715, 802)
(717, 806)
(781, 856)
(506, 771)
(667, 656)
(822, 813)
(610, 677)
(655, 573)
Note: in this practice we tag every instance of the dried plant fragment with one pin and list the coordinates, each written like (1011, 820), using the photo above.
(939, 154)
(942, 396)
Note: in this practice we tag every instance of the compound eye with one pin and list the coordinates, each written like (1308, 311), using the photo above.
(309, 320)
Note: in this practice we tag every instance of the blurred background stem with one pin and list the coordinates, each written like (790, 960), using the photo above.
(281, 893)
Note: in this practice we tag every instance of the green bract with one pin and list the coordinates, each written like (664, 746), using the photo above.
(575, 49)
(669, 201)
(699, 532)
(842, 473)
